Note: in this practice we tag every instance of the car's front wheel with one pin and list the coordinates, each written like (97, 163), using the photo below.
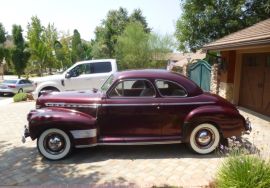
(54, 144)
(20, 90)
(204, 138)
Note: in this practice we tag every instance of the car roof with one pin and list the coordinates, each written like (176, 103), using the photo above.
(94, 61)
(155, 74)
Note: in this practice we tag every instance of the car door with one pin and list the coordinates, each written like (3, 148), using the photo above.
(21, 85)
(98, 73)
(130, 111)
(28, 86)
(174, 105)
(77, 78)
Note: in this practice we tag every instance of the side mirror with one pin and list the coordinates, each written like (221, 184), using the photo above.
(67, 75)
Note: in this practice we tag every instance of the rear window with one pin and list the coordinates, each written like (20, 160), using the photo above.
(100, 67)
(170, 89)
(10, 81)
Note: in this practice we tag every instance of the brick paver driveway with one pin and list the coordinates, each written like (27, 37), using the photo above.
(137, 166)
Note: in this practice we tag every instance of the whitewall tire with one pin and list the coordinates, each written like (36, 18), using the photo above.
(54, 144)
(204, 138)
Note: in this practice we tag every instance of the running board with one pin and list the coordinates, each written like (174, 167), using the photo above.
(128, 143)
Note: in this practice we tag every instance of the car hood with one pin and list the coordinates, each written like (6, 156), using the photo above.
(82, 97)
(84, 101)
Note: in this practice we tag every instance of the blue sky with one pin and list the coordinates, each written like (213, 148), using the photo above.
(85, 15)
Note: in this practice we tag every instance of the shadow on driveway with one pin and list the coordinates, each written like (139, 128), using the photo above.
(20, 165)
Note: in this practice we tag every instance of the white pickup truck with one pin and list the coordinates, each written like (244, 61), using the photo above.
(82, 75)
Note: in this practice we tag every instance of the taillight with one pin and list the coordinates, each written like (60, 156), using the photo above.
(11, 86)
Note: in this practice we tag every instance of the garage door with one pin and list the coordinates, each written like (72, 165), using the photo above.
(255, 83)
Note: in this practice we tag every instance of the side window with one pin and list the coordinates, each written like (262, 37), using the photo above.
(21, 82)
(133, 88)
(100, 67)
(27, 81)
(170, 89)
(78, 70)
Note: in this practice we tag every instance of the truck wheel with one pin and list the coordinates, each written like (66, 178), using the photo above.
(47, 89)
(204, 138)
(54, 144)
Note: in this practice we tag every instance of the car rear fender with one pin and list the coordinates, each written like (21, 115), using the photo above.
(228, 120)
(71, 121)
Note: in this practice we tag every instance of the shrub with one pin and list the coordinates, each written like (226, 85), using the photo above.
(247, 171)
(20, 97)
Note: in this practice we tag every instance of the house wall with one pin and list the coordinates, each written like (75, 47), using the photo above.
(227, 72)
(226, 79)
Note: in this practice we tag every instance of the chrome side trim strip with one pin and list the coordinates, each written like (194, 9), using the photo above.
(160, 104)
(72, 105)
(128, 143)
(89, 133)
(78, 105)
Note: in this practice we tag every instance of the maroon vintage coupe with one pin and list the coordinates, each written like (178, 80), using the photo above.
(133, 108)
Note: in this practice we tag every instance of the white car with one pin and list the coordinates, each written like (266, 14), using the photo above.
(82, 75)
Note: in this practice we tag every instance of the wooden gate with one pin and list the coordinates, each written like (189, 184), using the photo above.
(200, 73)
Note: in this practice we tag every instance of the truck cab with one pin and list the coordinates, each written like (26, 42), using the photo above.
(82, 75)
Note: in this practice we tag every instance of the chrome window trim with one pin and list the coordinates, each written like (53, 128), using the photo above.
(126, 97)
(174, 83)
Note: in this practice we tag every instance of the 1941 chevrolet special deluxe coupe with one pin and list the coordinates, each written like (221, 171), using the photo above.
(133, 108)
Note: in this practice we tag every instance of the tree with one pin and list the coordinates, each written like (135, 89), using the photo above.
(63, 52)
(19, 53)
(37, 46)
(49, 37)
(137, 16)
(2, 41)
(106, 35)
(77, 47)
(205, 21)
(132, 47)
(159, 47)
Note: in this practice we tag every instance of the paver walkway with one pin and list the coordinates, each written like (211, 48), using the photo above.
(137, 166)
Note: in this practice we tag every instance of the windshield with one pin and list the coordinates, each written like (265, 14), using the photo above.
(10, 82)
(107, 84)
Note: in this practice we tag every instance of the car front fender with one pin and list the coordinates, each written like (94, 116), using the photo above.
(226, 119)
(65, 119)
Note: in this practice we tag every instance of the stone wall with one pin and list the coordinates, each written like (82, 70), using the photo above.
(214, 85)
(218, 87)
(226, 91)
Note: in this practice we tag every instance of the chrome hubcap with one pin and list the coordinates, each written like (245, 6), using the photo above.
(54, 143)
(204, 138)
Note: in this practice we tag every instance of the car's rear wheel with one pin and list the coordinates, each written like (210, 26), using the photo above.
(20, 90)
(54, 144)
(204, 138)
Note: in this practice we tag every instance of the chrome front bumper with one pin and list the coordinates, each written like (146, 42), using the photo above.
(248, 127)
(26, 134)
